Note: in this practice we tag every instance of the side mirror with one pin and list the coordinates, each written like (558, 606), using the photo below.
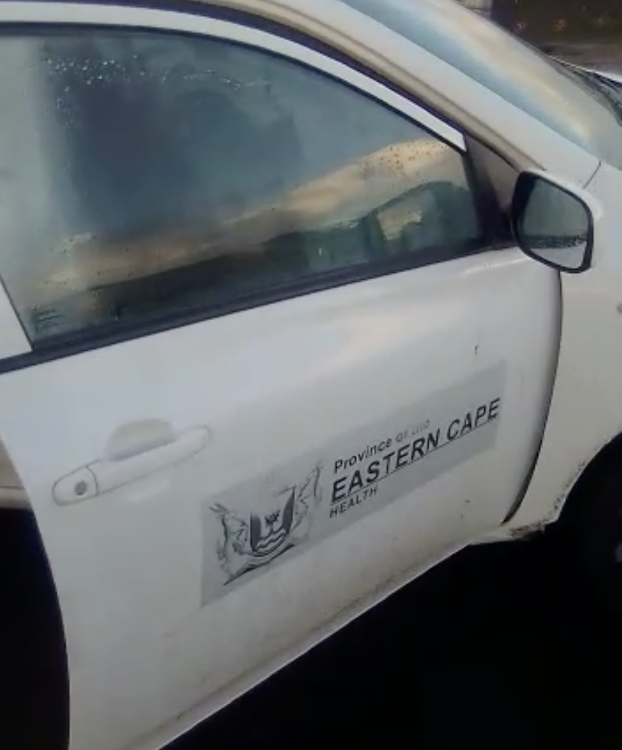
(552, 223)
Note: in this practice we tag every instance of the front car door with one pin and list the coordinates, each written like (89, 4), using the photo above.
(265, 357)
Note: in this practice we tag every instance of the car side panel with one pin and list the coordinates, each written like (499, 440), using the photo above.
(269, 385)
(586, 411)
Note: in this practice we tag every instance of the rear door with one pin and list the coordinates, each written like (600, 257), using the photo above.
(261, 361)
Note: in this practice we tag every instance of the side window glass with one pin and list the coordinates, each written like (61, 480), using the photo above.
(146, 175)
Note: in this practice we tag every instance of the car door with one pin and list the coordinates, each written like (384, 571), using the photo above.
(264, 359)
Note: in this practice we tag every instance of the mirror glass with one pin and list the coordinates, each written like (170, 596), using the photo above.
(552, 224)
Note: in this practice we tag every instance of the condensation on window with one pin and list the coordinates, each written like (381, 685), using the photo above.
(145, 174)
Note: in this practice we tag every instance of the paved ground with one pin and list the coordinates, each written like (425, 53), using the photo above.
(499, 648)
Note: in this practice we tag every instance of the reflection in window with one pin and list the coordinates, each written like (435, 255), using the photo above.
(147, 174)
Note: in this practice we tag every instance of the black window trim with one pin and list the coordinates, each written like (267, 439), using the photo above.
(495, 225)
(68, 345)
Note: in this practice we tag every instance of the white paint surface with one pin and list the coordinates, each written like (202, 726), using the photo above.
(128, 564)
(585, 410)
(149, 654)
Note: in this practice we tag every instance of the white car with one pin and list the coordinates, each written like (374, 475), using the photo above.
(299, 297)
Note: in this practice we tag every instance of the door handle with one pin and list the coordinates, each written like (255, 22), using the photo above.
(134, 452)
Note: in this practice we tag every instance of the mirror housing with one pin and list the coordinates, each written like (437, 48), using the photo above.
(552, 222)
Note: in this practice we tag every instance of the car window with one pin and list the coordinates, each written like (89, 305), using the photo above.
(145, 176)
(506, 65)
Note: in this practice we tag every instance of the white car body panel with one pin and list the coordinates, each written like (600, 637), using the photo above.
(586, 410)
(143, 653)
(611, 75)
(150, 653)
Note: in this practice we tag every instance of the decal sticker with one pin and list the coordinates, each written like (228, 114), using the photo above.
(252, 526)
(246, 544)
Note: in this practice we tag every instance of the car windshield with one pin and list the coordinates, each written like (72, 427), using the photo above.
(569, 104)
